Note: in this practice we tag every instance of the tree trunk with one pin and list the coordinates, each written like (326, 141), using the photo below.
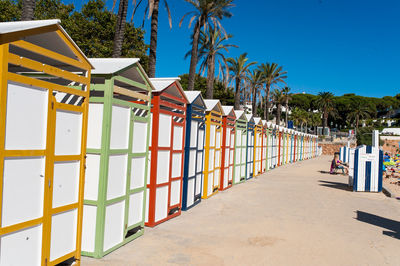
(28, 9)
(357, 121)
(153, 40)
(120, 28)
(286, 113)
(266, 111)
(254, 100)
(324, 123)
(278, 114)
(193, 57)
(237, 94)
(210, 78)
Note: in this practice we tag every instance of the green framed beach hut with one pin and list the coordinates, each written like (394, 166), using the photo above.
(239, 169)
(117, 155)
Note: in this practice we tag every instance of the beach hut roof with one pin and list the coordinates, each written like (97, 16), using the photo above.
(124, 66)
(103, 66)
(195, 97)
(42, 33)
(214, 105)
(228, 110)
(240, 114)
(257, 120)
(170, 85)
(249, 117)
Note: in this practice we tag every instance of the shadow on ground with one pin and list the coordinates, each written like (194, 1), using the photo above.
(337, 185)
(392, 225)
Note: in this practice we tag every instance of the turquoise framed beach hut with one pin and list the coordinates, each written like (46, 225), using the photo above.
(194, 150)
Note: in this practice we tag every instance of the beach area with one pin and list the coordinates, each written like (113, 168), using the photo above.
(292, 215)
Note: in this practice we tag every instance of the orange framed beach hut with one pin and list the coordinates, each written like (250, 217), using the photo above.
(228, 147)
(166, 151)
(43, 129)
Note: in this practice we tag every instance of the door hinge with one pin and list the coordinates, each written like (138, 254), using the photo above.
(52, 105)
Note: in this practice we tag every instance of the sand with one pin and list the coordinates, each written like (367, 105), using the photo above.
(292, 215)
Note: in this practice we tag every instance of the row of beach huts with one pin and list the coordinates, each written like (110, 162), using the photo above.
(92, 150)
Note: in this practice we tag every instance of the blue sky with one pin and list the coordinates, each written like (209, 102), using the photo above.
(342, 46)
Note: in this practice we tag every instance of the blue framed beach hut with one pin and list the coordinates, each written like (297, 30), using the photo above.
(194, 150)
(250, 146)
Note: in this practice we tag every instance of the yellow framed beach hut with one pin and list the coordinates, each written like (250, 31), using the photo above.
(43, 129)
(212, 148)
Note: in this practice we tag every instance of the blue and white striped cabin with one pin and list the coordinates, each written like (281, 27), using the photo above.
(368, 164)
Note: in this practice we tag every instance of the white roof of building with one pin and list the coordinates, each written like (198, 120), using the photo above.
(26, 27)
(239, 114)
(257, 120)
(15, 26)
(161, 84)
(214, 105)
(111, 65)
(249, 117)
(195, 97)
(228, 109)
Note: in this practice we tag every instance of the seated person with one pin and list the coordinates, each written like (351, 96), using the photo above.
(337, 164)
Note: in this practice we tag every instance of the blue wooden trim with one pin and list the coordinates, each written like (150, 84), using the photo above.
(189, 119)
(355, 178)
(380, 175)
(368, 177)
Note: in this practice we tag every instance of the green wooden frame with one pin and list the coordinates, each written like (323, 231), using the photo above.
(240, 125)
(108, 100)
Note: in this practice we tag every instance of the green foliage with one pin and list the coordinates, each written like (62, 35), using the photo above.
(200, 84)
(303, 101)
(345, 104)
(364, 136)
(92, 28)
(10, 10)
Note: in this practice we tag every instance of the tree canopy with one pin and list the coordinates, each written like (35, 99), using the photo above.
(92, 28)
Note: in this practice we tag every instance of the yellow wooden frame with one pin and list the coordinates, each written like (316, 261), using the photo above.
(6, 58)
(212, 118)
(258, 130)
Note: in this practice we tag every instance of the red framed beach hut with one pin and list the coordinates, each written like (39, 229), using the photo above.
(228, 147)
(167, 142)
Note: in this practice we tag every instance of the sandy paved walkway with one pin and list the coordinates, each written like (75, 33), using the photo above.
(293, 215)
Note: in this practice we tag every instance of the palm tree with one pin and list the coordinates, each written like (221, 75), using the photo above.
(278, 98)
(255, 81)
(273, 75)
(288, 97)
(359, 111)
(153, 10)
(28, 9)
(211, 47)
(299, 117)
(120, 28)
(327, 107)
(204, 13)
(239, 67)
(315, 120)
